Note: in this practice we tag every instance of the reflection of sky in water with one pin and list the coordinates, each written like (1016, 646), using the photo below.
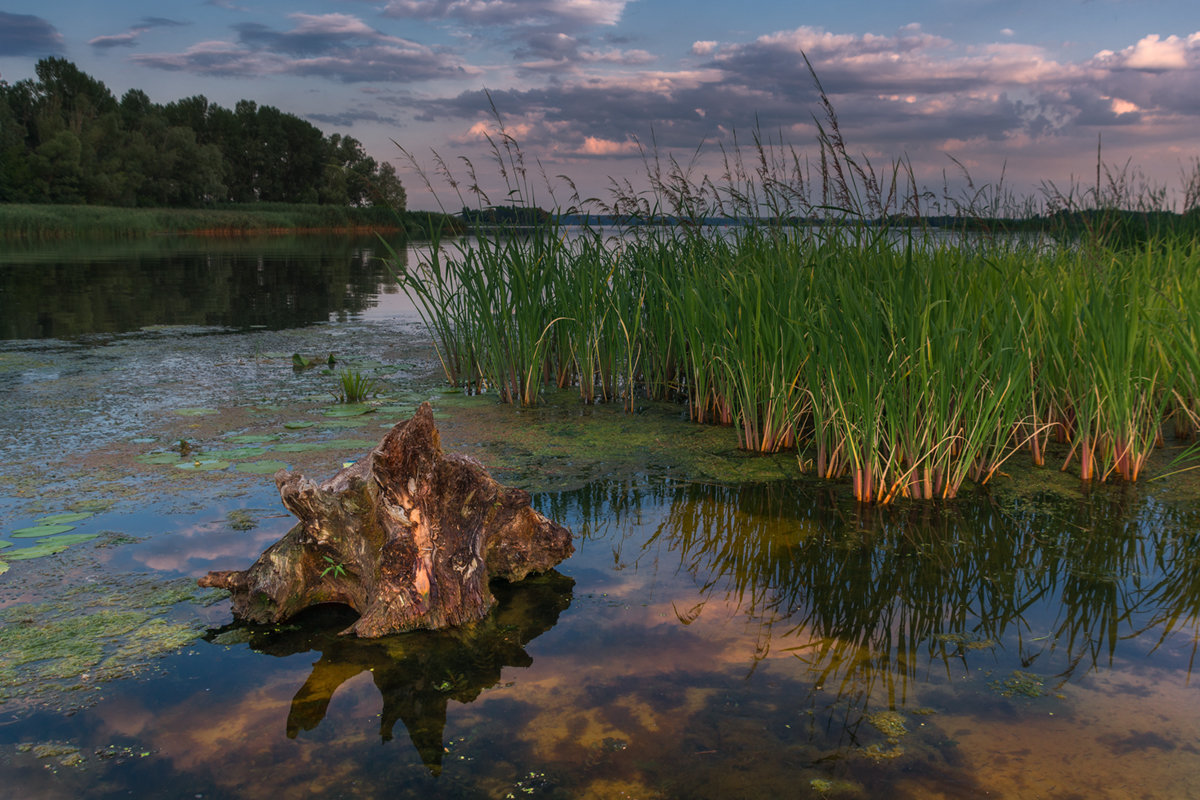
(716, 642)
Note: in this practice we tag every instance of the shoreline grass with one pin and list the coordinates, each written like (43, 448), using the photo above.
(31, 222)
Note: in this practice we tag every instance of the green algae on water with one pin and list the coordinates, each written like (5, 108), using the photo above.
(57, 651)
(1019, 684)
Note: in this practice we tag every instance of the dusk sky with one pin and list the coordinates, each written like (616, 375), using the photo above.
(1016, 85)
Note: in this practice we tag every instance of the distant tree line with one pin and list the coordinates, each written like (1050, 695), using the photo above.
(505, 215)
(65, 138)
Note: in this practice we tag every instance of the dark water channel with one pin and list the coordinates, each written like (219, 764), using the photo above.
(707, 640)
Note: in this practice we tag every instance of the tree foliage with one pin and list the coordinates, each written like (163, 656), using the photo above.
(65, 138)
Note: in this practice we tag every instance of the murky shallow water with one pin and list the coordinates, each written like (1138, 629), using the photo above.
(707, 640)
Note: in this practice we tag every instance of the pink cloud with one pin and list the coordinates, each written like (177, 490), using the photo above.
(593, 146)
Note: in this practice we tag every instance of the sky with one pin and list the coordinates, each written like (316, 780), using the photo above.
(1011, 93)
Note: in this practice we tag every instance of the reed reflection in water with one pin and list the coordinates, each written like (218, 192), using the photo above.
(965, 610)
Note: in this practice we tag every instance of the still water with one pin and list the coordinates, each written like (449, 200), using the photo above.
(706, 640)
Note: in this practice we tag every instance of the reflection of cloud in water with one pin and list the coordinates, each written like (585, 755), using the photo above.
(752, 638)
(196, 549)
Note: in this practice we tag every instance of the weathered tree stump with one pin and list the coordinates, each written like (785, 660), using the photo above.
(408, 537)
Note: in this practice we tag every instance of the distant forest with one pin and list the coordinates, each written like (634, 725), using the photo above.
(65, 138)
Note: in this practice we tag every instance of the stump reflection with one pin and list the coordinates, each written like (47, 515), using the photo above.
(419, 672)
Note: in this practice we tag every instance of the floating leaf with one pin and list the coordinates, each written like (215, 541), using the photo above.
(260, 467)
(3, 567)
(40, 530)
(4, 544)
(37, 551)
(352, 410)
(203, 465)
(70, 538)
(356, 422)
(332, 444)
(254, 438)
(299, 447)
(350, 443)
(395, 410)
(196, 412)
(72, 516)
(233, 455)
(157, 458)
(297, 424)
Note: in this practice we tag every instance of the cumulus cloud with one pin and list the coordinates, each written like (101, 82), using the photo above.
(593, 146)
(545, 50)
(1154, 54)
(336, 46)
(27, 35)
(545, 13)
(130, 37)
(895, 93)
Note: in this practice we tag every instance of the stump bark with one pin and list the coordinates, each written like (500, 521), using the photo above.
(408, 537)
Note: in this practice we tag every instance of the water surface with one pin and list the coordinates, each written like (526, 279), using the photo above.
(707, 639)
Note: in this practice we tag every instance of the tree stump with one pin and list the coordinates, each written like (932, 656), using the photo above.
(408, 537)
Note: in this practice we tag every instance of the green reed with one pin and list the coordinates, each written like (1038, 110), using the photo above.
(827, 318)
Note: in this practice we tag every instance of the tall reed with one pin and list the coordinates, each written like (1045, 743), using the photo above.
(825, 317)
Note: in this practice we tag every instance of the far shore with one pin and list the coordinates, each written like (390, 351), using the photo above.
(31, 222)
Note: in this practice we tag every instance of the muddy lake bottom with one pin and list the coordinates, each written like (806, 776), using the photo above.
(727, 627)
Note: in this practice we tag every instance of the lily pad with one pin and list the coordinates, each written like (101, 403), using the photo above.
(37, 551)
(352, 410)
(70, 538)
(202, 465)
(40, 530)
(235, 454)
(298, 424)
(196, 412)
(350, 443)
(395, 410)
(4, 544)
(254, 438)
(3, 567)
(157, 458)
(268, 467)
(70, 516)
(354, 422)
(299, 447)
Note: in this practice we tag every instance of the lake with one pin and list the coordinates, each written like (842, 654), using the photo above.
(727, 628)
